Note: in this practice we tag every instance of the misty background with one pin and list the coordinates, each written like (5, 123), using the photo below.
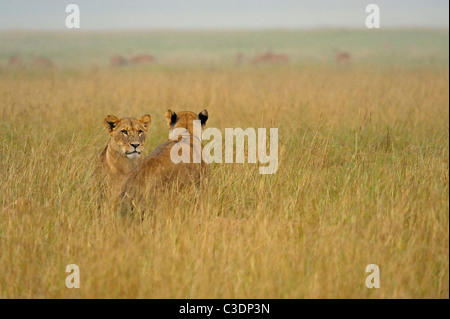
(221, 14)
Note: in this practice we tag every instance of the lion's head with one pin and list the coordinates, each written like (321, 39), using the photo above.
(128, 134)
(185, 120)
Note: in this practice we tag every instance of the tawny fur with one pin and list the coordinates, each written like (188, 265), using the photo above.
(157, 169)
(123, 152)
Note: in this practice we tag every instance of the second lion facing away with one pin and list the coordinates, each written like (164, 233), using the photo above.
(157, 170)
(123, 152)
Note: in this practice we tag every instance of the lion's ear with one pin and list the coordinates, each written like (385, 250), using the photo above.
(203, 116)
(146, 120)
(111, 122)
(171, 117)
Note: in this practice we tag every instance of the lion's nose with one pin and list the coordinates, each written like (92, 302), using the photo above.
(135, 145)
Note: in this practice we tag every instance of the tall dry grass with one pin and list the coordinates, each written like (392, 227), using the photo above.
(363, 178)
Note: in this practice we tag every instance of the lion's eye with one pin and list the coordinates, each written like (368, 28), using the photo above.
(140, 132)
(125, 132)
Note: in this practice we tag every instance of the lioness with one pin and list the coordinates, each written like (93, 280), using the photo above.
(157, 169)
(123, 152)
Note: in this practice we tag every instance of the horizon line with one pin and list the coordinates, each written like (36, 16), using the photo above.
(226, 29)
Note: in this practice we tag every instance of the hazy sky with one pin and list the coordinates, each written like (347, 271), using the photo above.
(220, 14)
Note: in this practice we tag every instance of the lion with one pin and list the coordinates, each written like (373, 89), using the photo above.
(158, 170)
(124, 150)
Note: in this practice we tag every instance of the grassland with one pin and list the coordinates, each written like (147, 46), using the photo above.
(363, 176)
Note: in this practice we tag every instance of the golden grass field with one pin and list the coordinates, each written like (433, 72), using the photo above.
(363, 178)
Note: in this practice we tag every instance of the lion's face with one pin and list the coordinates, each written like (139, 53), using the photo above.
(128, 134)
